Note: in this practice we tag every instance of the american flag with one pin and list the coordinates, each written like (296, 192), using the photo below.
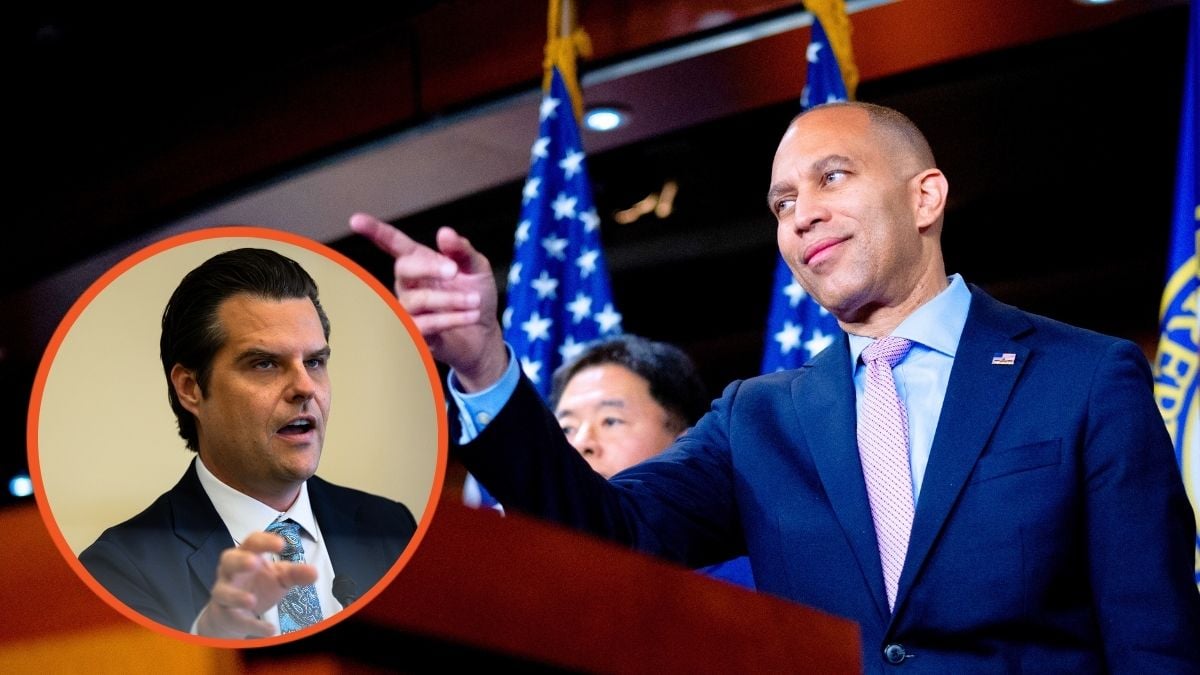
(797, 327)
(559, 297)
(1005, 359)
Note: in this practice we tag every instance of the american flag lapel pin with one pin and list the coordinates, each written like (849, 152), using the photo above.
(1005, 359)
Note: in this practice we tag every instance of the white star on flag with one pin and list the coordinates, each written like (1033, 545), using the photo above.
(532, 369)
(530, 191)
(587, 262)
(571, 163)
(539, 149)
(537, 328)
(817, 343)
(590, 220)
(545, 285)
(506, 318)
(523, 231)
(795, 293)
(547, 109)
(555, 247)
(580, 307)
(789, 337)
(812, 54)
(570, 349)
(608, 319)
(564, 206)
(514, 274)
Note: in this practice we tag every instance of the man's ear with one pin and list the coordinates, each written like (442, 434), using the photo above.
(187, 388)
(930, 192)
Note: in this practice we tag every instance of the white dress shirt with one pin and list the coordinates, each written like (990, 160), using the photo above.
(243, 515)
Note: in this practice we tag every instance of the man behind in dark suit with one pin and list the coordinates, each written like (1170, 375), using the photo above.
(245, 351)
(1051, 530)
(625, 399)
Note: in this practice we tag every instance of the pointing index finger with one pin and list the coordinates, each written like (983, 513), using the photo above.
(383, 235)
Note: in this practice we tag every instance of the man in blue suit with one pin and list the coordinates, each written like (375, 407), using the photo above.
(1041, 523)
(245, 347)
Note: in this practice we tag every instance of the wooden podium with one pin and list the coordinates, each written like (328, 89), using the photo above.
(482, 590)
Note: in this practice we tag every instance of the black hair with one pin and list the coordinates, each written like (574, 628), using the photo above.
(674, 382)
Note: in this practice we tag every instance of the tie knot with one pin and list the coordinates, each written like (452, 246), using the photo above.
(889, 349)
(290, 531)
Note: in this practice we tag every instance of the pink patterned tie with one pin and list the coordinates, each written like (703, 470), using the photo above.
(883, 451)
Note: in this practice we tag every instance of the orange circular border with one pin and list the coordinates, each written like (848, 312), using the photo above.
(125, 265)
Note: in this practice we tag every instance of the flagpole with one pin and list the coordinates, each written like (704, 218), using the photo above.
(564, 43)
(567, 23)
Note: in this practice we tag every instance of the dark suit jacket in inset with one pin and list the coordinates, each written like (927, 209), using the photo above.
(162, 562)
(1052, 532)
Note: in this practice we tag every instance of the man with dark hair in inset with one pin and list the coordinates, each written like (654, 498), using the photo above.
(245, 351)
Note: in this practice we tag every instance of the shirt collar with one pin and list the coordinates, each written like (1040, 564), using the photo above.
(243, 514)
(936, 325)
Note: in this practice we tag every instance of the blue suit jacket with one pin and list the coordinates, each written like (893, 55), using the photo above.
(1052, 533)
(163, 561)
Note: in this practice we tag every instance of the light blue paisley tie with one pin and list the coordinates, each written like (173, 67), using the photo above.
(300, 608)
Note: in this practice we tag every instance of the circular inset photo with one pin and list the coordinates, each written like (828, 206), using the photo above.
(237, 437)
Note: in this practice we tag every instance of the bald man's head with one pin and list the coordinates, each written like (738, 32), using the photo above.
(903, 139)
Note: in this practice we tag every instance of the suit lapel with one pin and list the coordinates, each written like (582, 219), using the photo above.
(338, 523)
(199, 526)
(824, 391)
(975, 398)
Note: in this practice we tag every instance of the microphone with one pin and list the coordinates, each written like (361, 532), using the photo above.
(345, 590)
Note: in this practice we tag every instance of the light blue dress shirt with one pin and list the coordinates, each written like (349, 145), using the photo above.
(476, 410)
(921, 377)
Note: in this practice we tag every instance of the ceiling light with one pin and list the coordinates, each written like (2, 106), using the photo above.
(20, 486)
(1094, 2)
(605, 118)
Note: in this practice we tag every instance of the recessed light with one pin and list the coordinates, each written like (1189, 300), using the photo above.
(20, 486)
(605, 118)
